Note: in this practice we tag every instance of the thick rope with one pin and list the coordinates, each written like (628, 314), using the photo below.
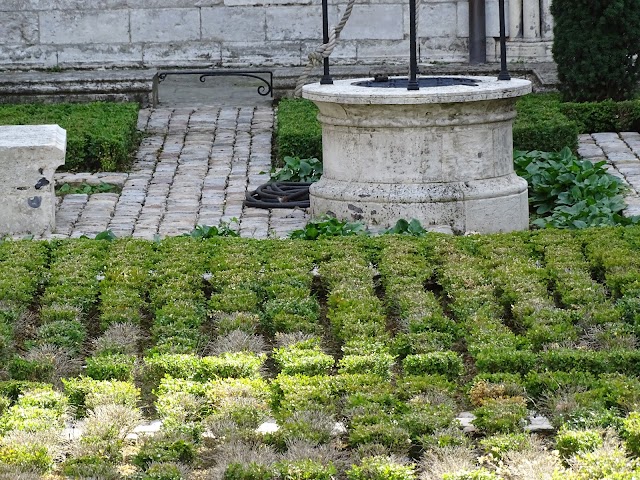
(323, 51)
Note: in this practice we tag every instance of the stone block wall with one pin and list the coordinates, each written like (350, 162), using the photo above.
(173, 33)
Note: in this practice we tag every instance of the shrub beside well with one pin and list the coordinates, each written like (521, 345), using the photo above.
(541, 125)
(544, 122)
(604, 116)
(298, 131)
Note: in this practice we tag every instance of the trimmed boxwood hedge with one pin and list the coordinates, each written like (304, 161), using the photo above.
(401, 335)
(605, 116)
(298, 131)
(100, 136)
(541, 125)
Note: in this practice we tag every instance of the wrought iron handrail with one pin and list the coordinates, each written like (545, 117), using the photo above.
(263, 90)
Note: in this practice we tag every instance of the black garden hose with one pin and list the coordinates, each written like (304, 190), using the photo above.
(279, 195)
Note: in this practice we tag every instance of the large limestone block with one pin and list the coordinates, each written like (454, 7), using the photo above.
(165, 25)
(291, 23)
(77, 27)
(29, 156)
(374, 22)
(237, 24)
(19, 28)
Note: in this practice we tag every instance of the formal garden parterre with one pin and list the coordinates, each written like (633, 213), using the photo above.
(297, 359)
(357, 358)
(363, 358)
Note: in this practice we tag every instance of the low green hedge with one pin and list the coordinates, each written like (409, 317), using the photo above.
(100, 136)
(298, 131)
(606, 116)
(544, 123)
(470, 312)
(541, 125)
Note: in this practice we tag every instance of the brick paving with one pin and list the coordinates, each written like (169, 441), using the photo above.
(195, 165)
(621, 152)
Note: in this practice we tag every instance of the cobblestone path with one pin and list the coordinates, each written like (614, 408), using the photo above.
(621, 151)
(193, 167)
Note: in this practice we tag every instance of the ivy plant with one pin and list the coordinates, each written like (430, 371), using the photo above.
(223, 229)
(298, 169)
(412, 227)
(107, 235)
(332, 227)
(329, 227)
(86, 188)
(566, 192)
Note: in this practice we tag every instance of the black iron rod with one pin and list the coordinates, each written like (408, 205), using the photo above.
(477, 32)
(326, 77)
(504, 73)
(413, 57)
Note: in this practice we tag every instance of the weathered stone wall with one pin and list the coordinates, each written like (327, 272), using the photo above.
(171, 33)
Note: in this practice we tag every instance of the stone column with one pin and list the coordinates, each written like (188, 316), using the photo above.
(546, 20)
(531, 19)
(29, 156)
(515, 18)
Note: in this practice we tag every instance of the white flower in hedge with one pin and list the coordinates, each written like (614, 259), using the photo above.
(339, 429)
(270, 426)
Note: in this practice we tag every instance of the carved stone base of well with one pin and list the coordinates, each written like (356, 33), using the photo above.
(498, 205)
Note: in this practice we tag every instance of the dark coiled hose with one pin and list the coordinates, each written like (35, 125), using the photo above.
(279, 195)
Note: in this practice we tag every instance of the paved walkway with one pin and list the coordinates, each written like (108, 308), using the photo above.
(621, 151)
(195, 165)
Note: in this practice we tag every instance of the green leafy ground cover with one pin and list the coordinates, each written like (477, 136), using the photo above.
(86, 189)
(296, 169)
(566, 192)
(100, 136)
(393, 336)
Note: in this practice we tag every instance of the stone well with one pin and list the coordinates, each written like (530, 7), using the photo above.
(442, 155)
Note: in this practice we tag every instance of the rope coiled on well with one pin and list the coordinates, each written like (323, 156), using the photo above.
(324, 51)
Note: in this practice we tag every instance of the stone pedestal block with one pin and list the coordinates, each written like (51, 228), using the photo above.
(442, 155)
(29, 156)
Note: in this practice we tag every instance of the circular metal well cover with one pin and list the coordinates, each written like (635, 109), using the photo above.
(425, 82)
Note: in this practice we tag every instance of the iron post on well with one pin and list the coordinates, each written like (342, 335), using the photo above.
(326, 77)
(504, 73)
(413, 57)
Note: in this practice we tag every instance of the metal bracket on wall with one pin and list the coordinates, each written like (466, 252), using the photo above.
(265, 76)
